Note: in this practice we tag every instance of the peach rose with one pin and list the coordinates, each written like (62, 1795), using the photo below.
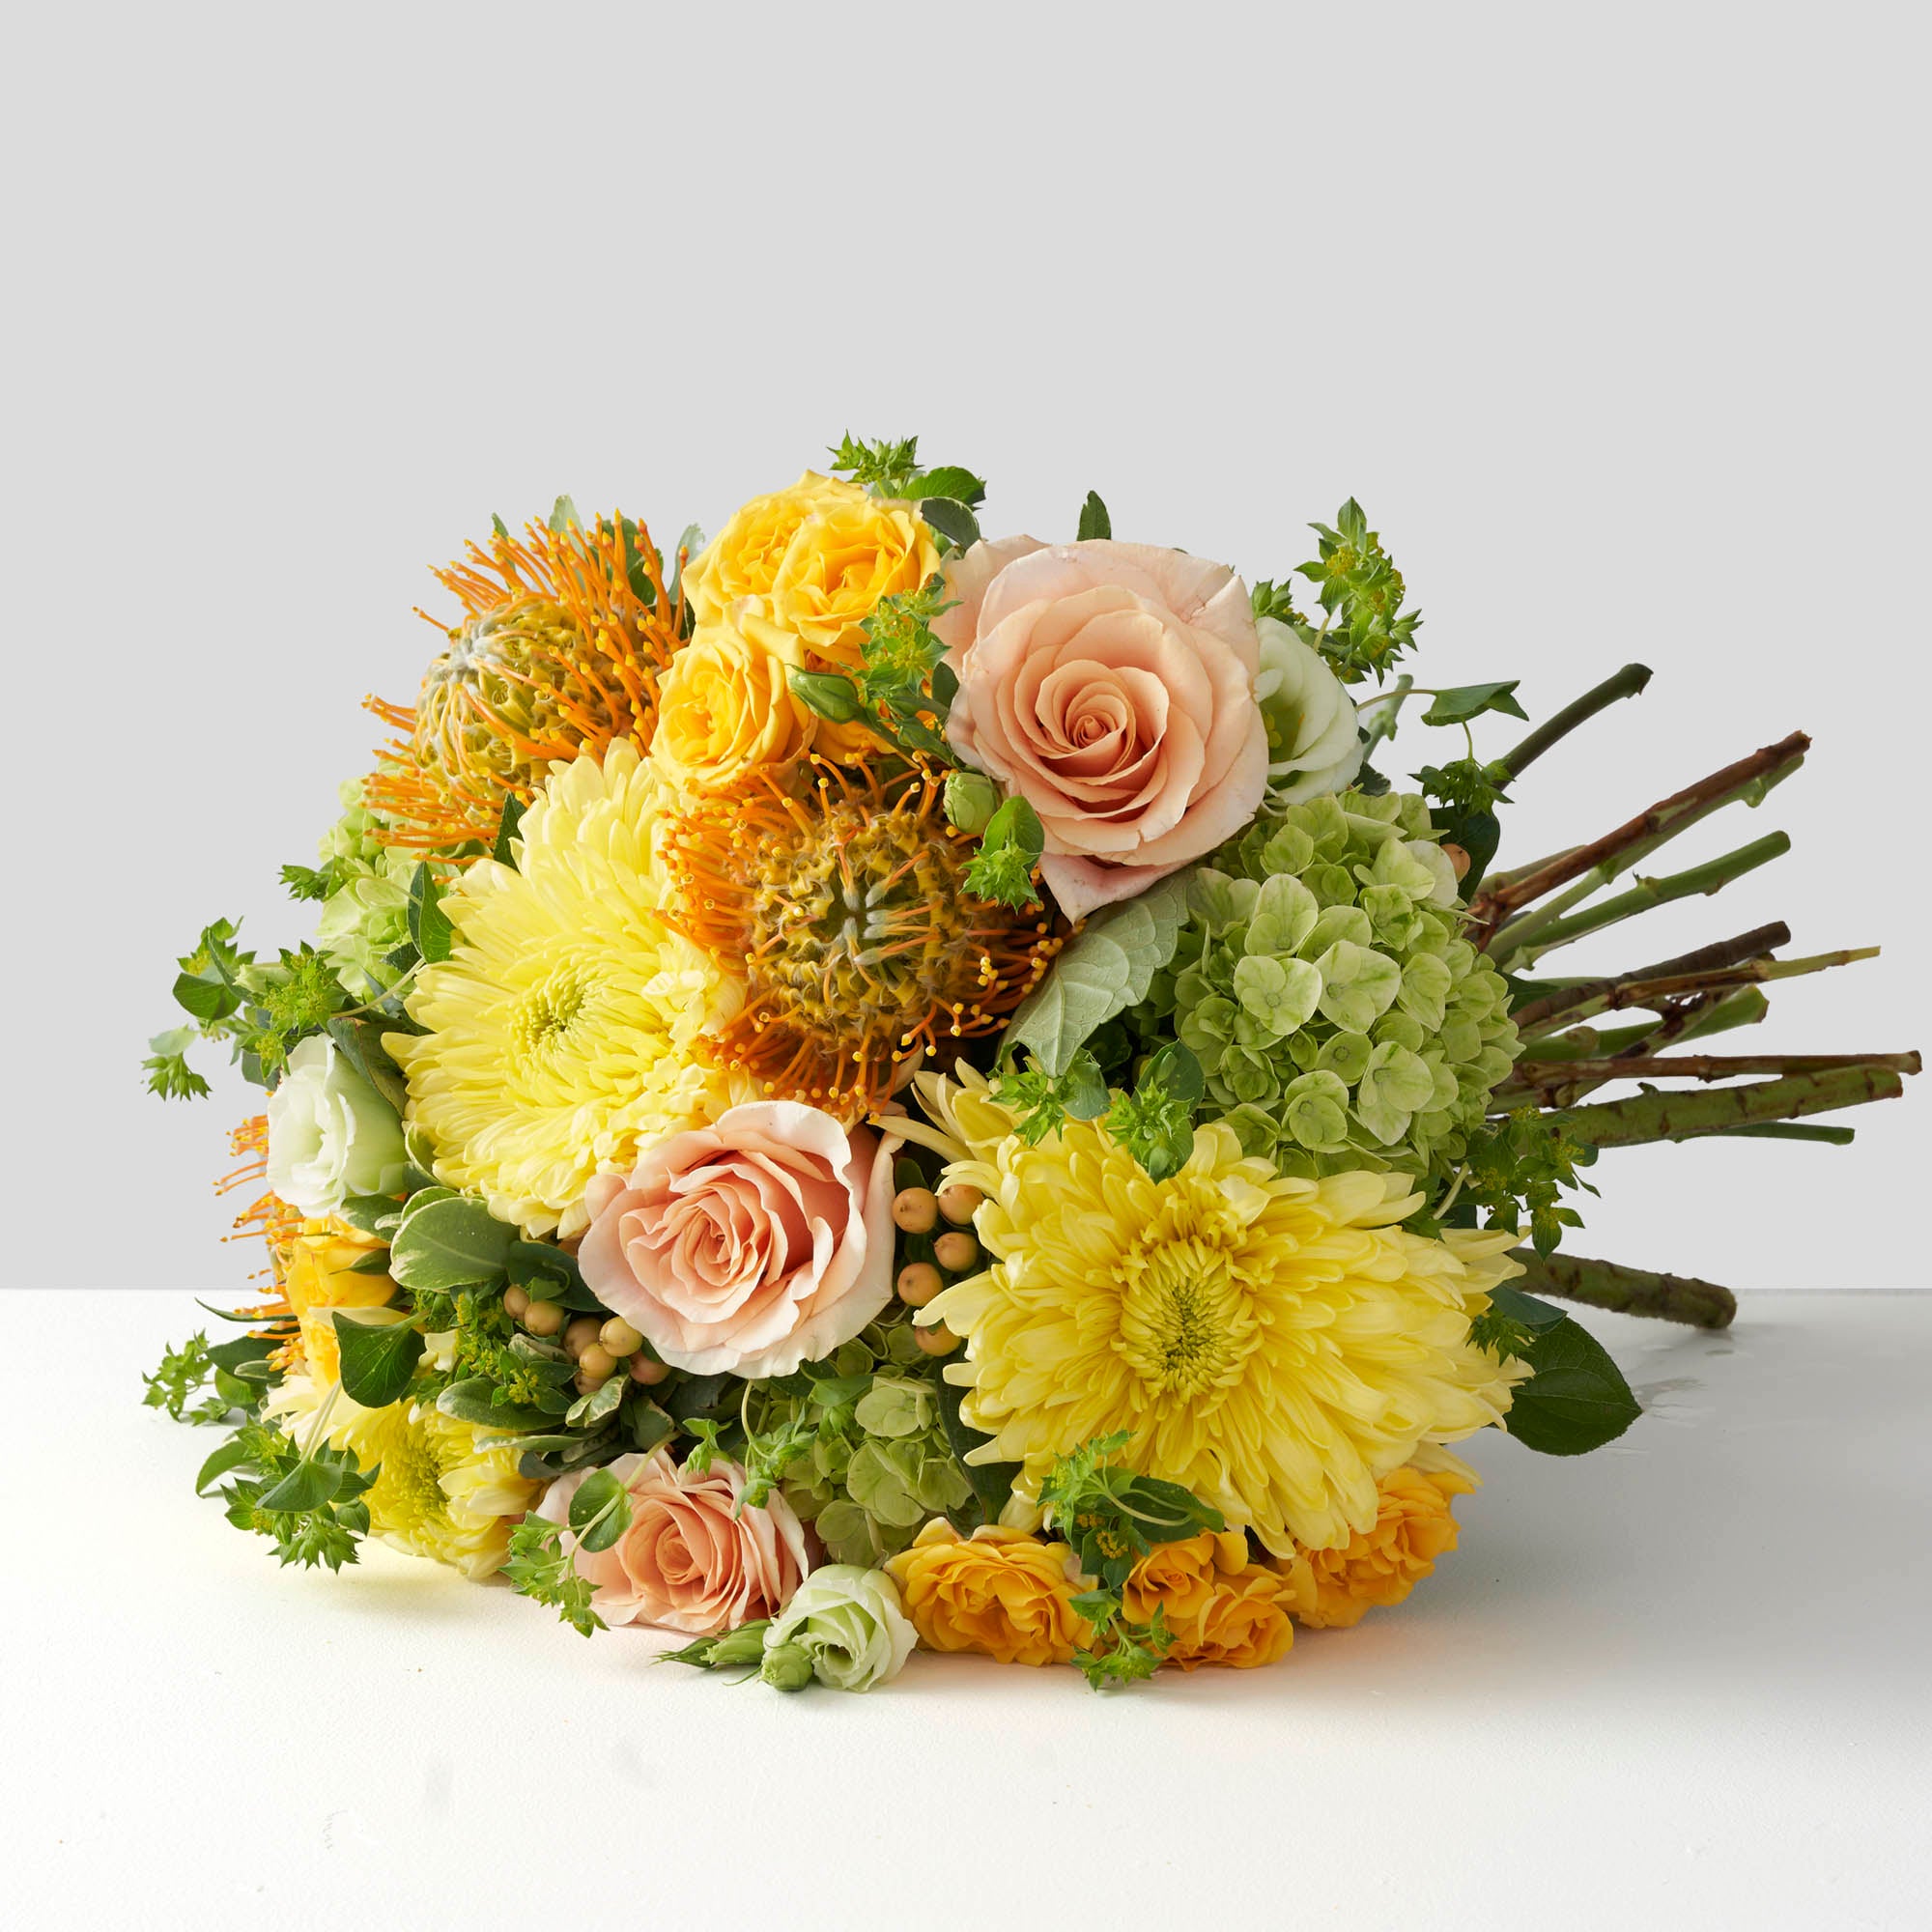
(692, 1559)
(1334, 1589)
(1111, 686)
(749, 1246)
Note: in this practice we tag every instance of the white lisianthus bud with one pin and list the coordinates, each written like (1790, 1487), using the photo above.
(330, 1134)
(850, 1623)
(1314, 747)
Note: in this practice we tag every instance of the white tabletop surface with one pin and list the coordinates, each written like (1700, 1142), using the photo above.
(1680, 1681)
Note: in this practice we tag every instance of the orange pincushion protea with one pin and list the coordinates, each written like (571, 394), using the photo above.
(564, 637)
(847, 910)
(278, 1224)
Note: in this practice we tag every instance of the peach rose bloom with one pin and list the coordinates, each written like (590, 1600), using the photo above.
(690, 1560)
(749, 1246)
(1111, 686)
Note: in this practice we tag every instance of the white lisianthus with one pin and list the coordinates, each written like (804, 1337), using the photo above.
(330, 1134)
(850, 1623)
(1314, 747)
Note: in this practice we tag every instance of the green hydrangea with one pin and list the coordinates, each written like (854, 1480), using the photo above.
(1340, 1017)
(366, 916)
(876, 1463)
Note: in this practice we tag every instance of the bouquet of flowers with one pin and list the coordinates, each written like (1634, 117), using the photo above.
(859, 1085)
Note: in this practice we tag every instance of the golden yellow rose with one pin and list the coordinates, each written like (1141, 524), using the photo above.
(800, 571)
(1380, 1565)
(726, 711)
(319, 1277)
(999, 1592)
(1220, 1607)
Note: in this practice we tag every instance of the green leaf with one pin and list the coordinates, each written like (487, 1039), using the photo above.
(245, 1349)
(563, 515)
(450, 1244)
(1577, 1398)
(506, 830)
(370, 1213)
(234, 1454)
(1463, 701)
(951, 519)
(825, 693)
(1010, 847)
(992, 1482)
(1527, 1310)
(948, 480)
(359, 1039)
(1094, 521)
(589, 1410)
(378, 1358)
(1106, 968)
(430, 928)
(208, 1000)
(470, 1400)
(307, 1486)
(600, 1512)
(167, 1070)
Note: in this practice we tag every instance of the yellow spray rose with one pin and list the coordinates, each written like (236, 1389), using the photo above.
(319, 1277)
(801, 570)
(724, 711)
(1380, 1565)
(1220, 1607)
(999, 1592)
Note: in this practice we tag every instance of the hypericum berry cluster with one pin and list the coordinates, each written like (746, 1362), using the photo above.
(917, 1212)
(601, 1347)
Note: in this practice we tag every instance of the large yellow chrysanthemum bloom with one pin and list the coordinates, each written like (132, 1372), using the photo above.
(437, 1494)
(1277, 1346)
(560, 1027)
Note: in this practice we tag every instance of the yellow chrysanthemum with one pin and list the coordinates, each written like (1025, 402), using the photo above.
(561, 1026)
(435, 1493)
(1277, 1346)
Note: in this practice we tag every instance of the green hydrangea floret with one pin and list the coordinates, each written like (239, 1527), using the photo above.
(1323, 981)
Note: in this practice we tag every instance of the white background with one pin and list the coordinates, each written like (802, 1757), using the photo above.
(1612, 318)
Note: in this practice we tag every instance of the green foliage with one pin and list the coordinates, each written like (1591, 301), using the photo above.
(1043, 1102)
(310, 1506)
(167, 1070)
(378, 1359)
(901, 684)
(858, 1445)
(1111, 1517)
(1269, 598)
(887, 468)
(1340, 1017)
(1155, 1122)
(310, 882)
(182, 1373)
(1106, 968)
(1009, 848)
(541, 1569)
(745, 1645)
(1519, 1168)
(1510, 1325)
(208, 987)
(1120, 1653)
(445, 1241)
(1095, 521)
(1577, 1400)
(1462, 703)
(430, 930)
(827, 693)
(1360, 592)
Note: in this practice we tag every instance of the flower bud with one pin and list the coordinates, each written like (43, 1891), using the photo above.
(744, 1645)
(787, 1667)
(970, 799)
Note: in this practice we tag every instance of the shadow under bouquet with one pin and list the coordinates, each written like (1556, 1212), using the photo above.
(858, 1085)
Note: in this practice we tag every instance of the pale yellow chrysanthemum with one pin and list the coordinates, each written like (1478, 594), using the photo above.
(562, 1027)
(435, 1493)
(1277, 1346)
